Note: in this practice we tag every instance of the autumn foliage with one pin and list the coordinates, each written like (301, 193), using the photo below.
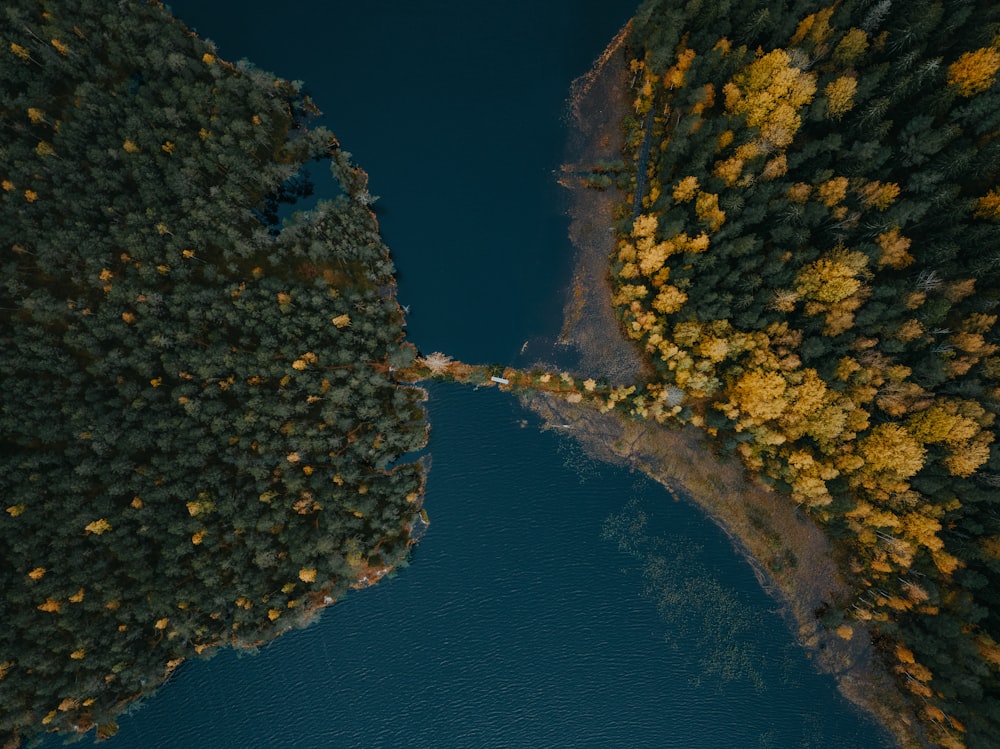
(837, 329)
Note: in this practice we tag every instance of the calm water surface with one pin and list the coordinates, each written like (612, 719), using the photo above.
(554, 602)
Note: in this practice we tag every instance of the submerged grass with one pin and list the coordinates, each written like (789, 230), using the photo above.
(690, 600)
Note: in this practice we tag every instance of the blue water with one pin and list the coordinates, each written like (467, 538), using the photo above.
(521, 622)
(455, 110)
(555, 601)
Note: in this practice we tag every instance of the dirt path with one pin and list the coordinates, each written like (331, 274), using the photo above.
(642, 163)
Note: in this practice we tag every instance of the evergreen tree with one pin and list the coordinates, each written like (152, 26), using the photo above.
(200, 428)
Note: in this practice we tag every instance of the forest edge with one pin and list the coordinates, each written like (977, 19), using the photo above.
(791, 556)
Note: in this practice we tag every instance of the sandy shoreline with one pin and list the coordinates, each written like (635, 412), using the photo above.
(792, 558)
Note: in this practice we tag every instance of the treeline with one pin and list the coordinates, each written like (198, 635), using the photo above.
(810, 257)
(199, 427)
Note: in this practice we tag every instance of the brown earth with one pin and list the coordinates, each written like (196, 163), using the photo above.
(792, 558)
(589, 323)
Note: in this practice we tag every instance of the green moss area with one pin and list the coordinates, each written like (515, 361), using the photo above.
(808, 258)
(199, 428)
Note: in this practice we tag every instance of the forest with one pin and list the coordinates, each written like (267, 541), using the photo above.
(809, 255)
(201, 421)
(200, 430)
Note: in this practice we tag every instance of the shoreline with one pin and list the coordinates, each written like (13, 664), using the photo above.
(792, 558)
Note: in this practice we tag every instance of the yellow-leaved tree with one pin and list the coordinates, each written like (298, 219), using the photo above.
(974, 72)
(760, 395)
(894, 248)
(833, 286)
(840, 96)
(891, 455)
(770, 91)
(988, 206)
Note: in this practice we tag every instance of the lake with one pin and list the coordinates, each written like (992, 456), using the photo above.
(554, 601)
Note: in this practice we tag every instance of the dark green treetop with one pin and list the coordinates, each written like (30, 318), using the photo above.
(199, 430)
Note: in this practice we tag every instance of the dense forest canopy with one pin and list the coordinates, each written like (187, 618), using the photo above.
(810, 259)
(199, 429)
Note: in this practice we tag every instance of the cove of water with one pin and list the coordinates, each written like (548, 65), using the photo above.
(455, 109)
(555, 601)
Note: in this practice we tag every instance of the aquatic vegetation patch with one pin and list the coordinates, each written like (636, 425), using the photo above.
(698, 610)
